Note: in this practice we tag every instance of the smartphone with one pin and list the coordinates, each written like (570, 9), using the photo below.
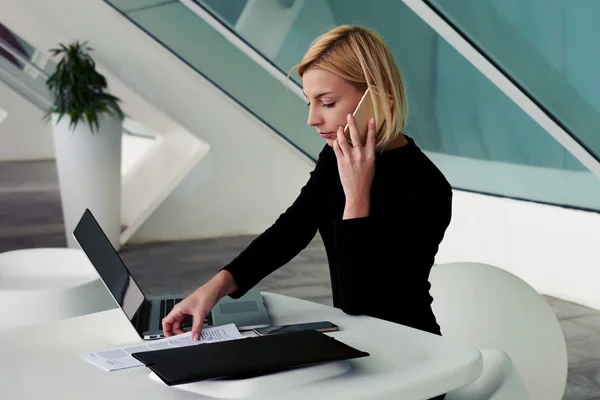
(321, 326)
(364, 111)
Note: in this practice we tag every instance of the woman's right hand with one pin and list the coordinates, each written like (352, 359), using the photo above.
(198, 304)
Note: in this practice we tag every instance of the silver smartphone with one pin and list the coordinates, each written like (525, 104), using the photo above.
(321, 326)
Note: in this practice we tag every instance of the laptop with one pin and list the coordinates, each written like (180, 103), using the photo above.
(146, 313)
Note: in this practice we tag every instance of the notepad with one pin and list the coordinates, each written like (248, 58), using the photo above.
(121, 357)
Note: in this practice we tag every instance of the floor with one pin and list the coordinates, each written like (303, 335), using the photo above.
(31, 216)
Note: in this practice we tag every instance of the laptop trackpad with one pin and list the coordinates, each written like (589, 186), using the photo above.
(238, 307)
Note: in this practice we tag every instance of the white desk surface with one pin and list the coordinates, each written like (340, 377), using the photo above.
(44, 362)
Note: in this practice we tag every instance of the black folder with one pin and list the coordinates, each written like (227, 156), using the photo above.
(244, 358)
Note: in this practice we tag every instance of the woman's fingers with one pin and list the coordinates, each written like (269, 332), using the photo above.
(354, 136)
(370, 145)
(336, 147)
(342, 147)
(343, 141)
(173, 322)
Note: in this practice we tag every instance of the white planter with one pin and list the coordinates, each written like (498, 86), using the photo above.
(89, 174)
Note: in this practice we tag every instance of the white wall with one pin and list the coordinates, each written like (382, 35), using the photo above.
(23, 134)
(133, 150)
(231, 190)
(554, 249)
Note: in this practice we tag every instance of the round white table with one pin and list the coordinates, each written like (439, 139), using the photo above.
(404, 363)
(42, 285)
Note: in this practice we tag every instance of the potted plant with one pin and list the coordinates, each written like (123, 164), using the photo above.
(87, 128)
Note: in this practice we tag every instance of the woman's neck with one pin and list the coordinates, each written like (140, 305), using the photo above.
(397, 143)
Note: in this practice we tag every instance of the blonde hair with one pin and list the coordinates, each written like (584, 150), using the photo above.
(361, 57)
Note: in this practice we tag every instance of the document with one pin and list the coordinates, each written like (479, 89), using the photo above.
(121, 358)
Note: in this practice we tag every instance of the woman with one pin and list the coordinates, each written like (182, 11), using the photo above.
(381, 208)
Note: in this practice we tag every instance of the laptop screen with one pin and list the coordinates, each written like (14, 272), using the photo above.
(108, 263)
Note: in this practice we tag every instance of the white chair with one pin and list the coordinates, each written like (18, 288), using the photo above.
(42, 285)
(496, 311)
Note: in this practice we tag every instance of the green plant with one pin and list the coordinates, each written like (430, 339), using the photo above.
(77, 89)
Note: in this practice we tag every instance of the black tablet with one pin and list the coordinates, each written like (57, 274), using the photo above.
(245, 358)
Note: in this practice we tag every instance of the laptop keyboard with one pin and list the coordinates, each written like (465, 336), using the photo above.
(166, 305)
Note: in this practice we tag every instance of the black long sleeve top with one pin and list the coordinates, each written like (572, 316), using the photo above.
(379, 265)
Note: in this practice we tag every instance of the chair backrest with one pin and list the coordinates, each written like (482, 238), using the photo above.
(488, 307)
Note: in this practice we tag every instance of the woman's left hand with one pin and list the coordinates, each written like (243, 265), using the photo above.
(356, 165)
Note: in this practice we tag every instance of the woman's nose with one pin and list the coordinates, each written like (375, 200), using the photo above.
(314, 118)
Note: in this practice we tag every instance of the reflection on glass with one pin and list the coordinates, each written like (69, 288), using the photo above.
(546, 47)
(15, 43)
(18, 71)
(37, 62)
(479, 138)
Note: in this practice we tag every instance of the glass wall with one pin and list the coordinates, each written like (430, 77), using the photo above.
(547, 47)
(479, 138)
(195, 42)
(24, 69)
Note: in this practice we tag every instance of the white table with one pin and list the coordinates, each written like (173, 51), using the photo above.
(404, 363)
